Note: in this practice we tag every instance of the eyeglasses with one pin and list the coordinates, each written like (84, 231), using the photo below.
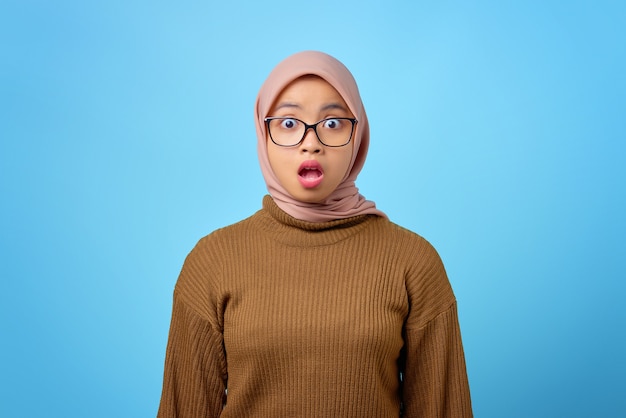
(331, 132)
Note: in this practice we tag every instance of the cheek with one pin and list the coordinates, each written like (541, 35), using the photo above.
(273, 155)
(279, 159)
(347, 159)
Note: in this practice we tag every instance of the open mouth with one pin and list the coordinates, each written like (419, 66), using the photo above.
(310, 174)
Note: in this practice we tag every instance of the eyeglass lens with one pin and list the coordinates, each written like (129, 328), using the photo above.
(333, 132)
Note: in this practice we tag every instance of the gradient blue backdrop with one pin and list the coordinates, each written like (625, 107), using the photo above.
(498, 133)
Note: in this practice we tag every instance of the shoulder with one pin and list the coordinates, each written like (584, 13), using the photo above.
(202, 267)
(410, 249)
(406, 242)
(428, 288)
(217, 240)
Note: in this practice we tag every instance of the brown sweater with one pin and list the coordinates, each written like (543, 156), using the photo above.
(299, 319)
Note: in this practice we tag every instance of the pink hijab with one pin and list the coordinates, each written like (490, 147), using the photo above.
(345, 201)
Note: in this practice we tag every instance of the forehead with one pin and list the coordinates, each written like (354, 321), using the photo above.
(309, 90)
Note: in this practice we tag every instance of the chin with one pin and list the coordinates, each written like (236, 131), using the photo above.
(310, 197)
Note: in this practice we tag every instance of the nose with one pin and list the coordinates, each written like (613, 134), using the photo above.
(310, 143)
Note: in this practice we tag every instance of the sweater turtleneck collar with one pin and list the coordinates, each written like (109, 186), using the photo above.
(291, 231)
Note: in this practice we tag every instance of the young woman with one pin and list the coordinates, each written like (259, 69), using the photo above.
(317, 305)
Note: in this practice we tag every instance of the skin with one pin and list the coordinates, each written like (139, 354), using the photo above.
(310, 99)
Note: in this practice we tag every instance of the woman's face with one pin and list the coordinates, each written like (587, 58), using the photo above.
(310, 171)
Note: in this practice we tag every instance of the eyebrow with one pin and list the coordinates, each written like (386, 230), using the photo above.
(333, 106)
(329, 106)
(287, 105)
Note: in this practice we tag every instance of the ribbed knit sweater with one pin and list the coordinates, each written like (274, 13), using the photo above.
(278, 317)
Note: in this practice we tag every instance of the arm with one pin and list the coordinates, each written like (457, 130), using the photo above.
(194, 375)
(435, 379)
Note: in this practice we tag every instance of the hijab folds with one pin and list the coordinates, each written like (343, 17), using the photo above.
(345, 201)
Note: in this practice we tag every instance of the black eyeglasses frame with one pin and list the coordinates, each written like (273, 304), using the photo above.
(267, 120)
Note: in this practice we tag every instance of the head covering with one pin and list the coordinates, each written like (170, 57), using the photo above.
(345, 201)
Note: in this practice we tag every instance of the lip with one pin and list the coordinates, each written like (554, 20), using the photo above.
(310, 174)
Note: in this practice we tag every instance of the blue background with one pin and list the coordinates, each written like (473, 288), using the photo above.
(498, 133)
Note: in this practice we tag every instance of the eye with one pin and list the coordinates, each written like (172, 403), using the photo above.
(332, 124)
(288, 123)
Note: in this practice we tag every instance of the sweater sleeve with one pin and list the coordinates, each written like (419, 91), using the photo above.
(194, 380)
(435, 379)
(195, 376)
(435, 383)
